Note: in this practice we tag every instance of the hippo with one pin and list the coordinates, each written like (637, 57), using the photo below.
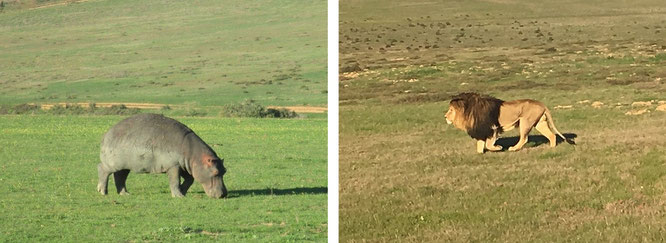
(152, 143)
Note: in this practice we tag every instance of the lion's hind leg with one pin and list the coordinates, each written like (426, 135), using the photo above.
(525, 128)
(544, 129)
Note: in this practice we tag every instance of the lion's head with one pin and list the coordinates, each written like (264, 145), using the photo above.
(474, 113)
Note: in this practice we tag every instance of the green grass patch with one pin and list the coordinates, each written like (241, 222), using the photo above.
(611, 60)
(650, 170)
(658, 58)
(418, 73)
(276, 180)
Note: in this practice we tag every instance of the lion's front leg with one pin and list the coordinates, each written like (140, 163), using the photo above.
(490, 144)
(480, 145)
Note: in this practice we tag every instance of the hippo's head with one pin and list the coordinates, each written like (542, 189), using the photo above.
(209, 172)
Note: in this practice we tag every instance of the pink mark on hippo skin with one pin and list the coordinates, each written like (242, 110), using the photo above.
(207, 160)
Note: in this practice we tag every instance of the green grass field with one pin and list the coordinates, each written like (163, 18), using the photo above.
(195, 57)
(199, 53)
(276, 180)
(407, 176)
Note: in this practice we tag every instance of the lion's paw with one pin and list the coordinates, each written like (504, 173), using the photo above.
(495, 148)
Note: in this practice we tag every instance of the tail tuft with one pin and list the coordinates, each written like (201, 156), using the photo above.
(570, 141)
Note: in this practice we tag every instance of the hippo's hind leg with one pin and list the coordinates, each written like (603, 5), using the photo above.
(174, 181)
(120, 177)
(103, 179)
(187, 181)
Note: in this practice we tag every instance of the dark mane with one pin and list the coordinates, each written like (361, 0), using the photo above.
(480, 114)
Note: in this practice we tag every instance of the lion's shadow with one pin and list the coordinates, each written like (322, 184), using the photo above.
(537, 140)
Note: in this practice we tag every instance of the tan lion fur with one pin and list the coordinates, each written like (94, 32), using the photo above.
(485, 117)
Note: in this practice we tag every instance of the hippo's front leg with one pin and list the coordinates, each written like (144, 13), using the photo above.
(187, 181)
(174, 181)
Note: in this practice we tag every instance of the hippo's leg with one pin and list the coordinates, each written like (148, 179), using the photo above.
(120, 177)
(187, 181)
(174, 181)
(103, 179)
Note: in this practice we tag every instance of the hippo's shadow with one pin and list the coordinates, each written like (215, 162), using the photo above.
(533, 139)
(277, 192)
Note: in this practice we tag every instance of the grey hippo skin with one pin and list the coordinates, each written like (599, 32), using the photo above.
(151, 143)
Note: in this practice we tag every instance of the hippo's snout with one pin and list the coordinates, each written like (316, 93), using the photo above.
(216, 189)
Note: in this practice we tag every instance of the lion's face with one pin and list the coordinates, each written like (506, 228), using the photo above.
(450, 114)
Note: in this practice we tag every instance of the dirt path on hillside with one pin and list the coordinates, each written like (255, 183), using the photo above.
(297, 109)
(302, 109)
(60, 3)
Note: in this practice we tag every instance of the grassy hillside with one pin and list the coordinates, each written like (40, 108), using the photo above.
(276, 180)
(407, 176)
(198, 53)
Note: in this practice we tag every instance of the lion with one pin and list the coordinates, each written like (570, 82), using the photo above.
(485, 117)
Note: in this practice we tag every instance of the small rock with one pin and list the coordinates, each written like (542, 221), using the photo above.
(563, 107)
(636, 112)
(641, 103)
(597, 104)
(661, 107)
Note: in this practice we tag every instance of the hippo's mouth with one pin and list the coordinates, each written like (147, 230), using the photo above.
(215, 188)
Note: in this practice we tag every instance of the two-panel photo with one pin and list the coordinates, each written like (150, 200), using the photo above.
(332, 121)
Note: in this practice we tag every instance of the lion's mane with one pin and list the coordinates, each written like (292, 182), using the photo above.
(478, 114)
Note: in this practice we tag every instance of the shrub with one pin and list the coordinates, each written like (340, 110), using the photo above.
(20, 109)
(26, 109)
(67, 109)
(246, 108)
(249, 108)
(280, 113)
(118, 110)
(195, 112)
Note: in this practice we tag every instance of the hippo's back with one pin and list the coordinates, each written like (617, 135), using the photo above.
(144, 143)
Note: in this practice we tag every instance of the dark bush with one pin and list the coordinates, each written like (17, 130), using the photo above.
(279, 113)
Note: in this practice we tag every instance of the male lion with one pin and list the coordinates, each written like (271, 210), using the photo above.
(485, 117)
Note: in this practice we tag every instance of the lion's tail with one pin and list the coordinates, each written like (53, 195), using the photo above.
(551, 124)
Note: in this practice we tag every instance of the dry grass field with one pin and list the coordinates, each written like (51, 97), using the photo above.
(407, 176)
